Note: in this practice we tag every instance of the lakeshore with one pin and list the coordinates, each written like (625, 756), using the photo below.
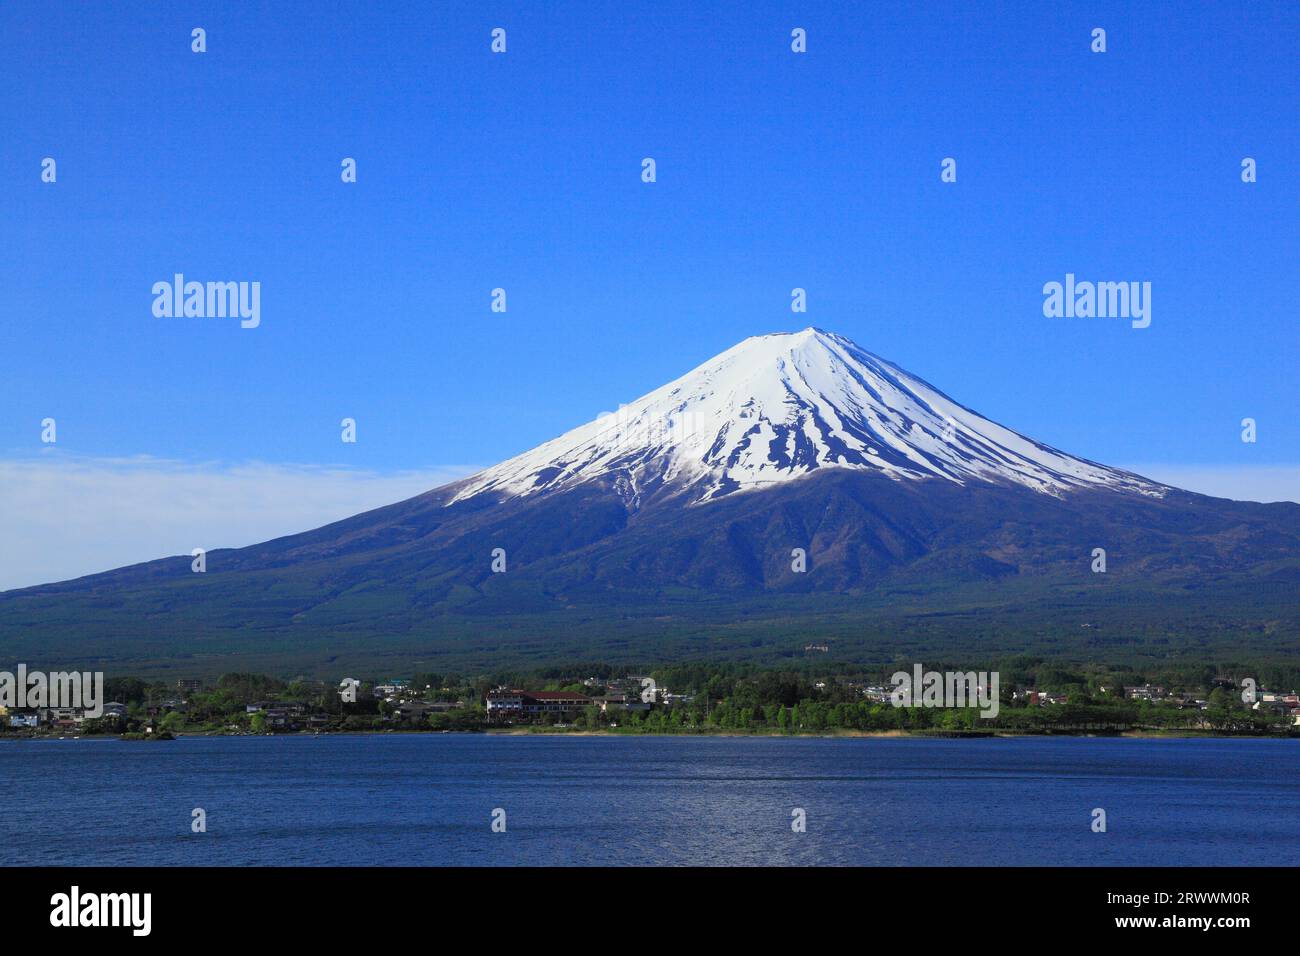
(699, 700)
(1146, 734)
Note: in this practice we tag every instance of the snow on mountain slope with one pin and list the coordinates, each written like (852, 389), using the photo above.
(776, 408)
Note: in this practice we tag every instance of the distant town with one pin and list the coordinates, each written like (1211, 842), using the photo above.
(685, 699)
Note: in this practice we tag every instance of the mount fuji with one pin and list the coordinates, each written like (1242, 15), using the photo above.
(777, 408)
(794, 488)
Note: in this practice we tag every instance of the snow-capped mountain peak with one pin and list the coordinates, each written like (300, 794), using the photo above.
(776, 408)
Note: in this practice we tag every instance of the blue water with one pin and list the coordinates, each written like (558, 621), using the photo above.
(428, 799)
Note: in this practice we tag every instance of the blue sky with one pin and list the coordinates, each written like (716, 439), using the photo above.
(522, 171)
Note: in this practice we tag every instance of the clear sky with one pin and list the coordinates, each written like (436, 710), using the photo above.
(522, 170)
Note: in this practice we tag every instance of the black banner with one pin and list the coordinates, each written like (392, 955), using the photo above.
(294, 905)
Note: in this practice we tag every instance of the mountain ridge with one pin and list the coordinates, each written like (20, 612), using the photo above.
(618, 537)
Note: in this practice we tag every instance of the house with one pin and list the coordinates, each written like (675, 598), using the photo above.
(623, 685)
(188, 685)
(392, 688)
(540, 702)
(31, 720)
(1146, 692)
(1277, 705)
(634, 686)
(413, 710)
(65, 717)
(1037, 698)
(165, 706)
(507, 703)
(114, 711)
(280, 718)
(621, 703)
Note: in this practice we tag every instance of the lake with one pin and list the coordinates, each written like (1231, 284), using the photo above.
(428, 799)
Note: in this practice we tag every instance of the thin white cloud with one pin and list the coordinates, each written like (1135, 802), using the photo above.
(63, 517)
(1245, 483)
